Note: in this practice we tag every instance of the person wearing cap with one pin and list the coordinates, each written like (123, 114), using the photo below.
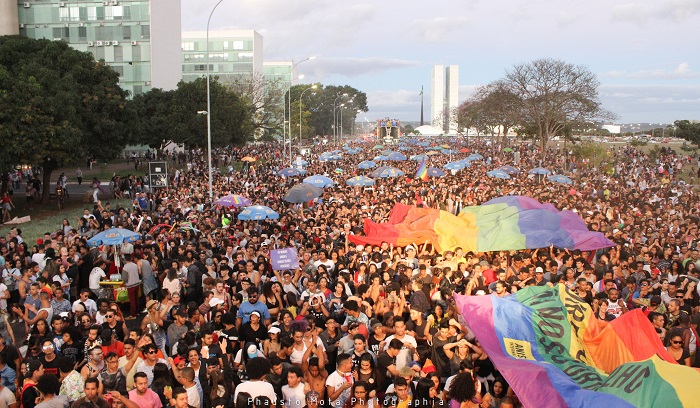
(249, 306)
(253, 331)
(110, 343)
(153, 323)
(178, 328)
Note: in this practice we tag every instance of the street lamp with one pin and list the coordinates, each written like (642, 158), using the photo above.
(335, 133)
(284, 121)
(340, 135)
(314, 86)
(290, 105)
(208, 112)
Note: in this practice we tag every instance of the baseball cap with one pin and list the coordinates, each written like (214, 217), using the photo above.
(539, 270)
(215, 302)
(655, 300)
(255, 312)
(252, 351)
(177, 360)
(274, 330)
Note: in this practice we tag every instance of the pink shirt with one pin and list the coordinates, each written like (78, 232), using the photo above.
(148, 400)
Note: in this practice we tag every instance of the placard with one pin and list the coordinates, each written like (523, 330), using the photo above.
(284, 259)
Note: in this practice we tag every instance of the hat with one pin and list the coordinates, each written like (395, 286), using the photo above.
(454, 322)
(539, 270)
(655, 300)
(40, 241)
(31, 366)
(150, 303)
(215, 302)
(616, 231)
(484, 264)
(353, 325)
(252, 351)
(265, 242)
(2, 260)
(177, 360)
(181, 312)
(410, 248)
(646, 268)
(359, 248)
(209, 262)
(255, 312)
(274, 330)
(79, 307)
(480, 292)
(374, 326)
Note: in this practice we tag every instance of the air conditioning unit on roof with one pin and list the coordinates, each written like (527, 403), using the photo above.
(134, 43)
(115, 42)
(62, 4)
(26, 4)
(91, 44)
(98, 43)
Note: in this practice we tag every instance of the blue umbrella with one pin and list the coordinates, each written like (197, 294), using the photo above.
(381, 158)
(540, 170)
(366, 165)
(500, 174)
(359, 181)
(420, 157)
(353, 151)
(289, 172)
(396, 156)
(257, 213)
(403, 148)
(319, 181)
(386, 171)
(336, 151)
(435, 172)
(114, 236)
(448, 151)
(304, 163)
(558, 178)
(302, 193)
(387, 152)
(475, 156)
(233, 200)
(510, 169)
(423, 144)
(456, 165)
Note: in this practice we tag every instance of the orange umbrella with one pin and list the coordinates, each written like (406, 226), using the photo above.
(248, 159)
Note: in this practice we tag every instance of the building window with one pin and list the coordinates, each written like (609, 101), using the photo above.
(109, 13)
(118, 12)
(64, 14)
(126, 32)
(92, 13)
(145, 31)
(82, 33)
(188, 46)
(119, 56)
(238, 45)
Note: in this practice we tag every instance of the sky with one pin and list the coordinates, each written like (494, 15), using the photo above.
(644, 53)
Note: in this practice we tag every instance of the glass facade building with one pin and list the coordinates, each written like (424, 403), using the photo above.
(232, 53)
(123, 33)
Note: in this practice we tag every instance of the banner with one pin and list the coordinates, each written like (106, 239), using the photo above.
(555, 353)
(284, 259)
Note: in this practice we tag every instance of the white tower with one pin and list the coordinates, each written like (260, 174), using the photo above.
(9, 24)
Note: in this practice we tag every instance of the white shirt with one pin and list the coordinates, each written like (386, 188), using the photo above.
(96, 274)
(3, 302)
(405, 356)
(336, 381)
(293, 397)
(193, 396)
(7, 397)
(89, 304)
(256, 389)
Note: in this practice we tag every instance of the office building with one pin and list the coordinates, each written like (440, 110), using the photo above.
(444, 98)
(139, 39)
(232, 54)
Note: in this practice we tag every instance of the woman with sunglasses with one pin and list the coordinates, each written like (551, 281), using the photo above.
(676, 349)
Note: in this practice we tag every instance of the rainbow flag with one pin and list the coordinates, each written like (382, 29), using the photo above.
(502, 224)
(422, 172)
(555, 353)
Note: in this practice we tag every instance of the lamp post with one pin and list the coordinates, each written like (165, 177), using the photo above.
(211, 183)
(290, 105)
(284, 116)
(335, 132)
(314, 86)
(340, 136)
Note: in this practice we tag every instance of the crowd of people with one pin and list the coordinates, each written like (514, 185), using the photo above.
(210, 323)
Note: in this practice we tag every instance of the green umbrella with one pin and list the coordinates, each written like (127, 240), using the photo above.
(378, 147)
(507, 150)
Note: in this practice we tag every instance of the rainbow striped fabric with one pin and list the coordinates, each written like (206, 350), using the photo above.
(554, 353)
(422, 172)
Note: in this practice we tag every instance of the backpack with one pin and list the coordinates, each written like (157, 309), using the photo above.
(24, 388)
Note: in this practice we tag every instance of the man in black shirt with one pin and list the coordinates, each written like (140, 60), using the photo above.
(386, 363)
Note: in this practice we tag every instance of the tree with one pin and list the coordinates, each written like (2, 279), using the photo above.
(499, 107)
(321, 106)
(57, 105)
(231, 122)
(688, 131)
(553, 94)
(264, 100)
(153, 117)
(594, 153)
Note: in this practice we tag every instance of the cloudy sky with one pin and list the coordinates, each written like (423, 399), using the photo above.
(644, 52)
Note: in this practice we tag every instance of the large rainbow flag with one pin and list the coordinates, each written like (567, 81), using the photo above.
(555, 353)
(504, 223)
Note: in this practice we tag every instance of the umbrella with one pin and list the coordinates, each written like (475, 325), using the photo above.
(508, 150)
(500, 174)
(319, 181)
(475, 156)
(386, 171)
(257, 212)
(304, 163)
(248, 159)
(353, 151)
(336, 151)
(448, 151)
(233, 200)
(445, 146)
(456, 165)
(289, 172)
(420, 157)
(302, 193)
(378, 147)
(435, 172)
(330, 158)
(558, 178)
(114, 236)
(509, 169)
(540, 170)
(464, 150)
(432, 153)
(423, 144)
(387, 152)
(366, 165)
(403, 148)
(396, 156)
(359, 181)
(381, 158)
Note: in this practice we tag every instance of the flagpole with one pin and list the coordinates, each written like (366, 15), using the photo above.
(421, 105)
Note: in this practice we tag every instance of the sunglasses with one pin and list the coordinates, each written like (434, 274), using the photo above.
(152, 352)
(109, 316)
(677, 342)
